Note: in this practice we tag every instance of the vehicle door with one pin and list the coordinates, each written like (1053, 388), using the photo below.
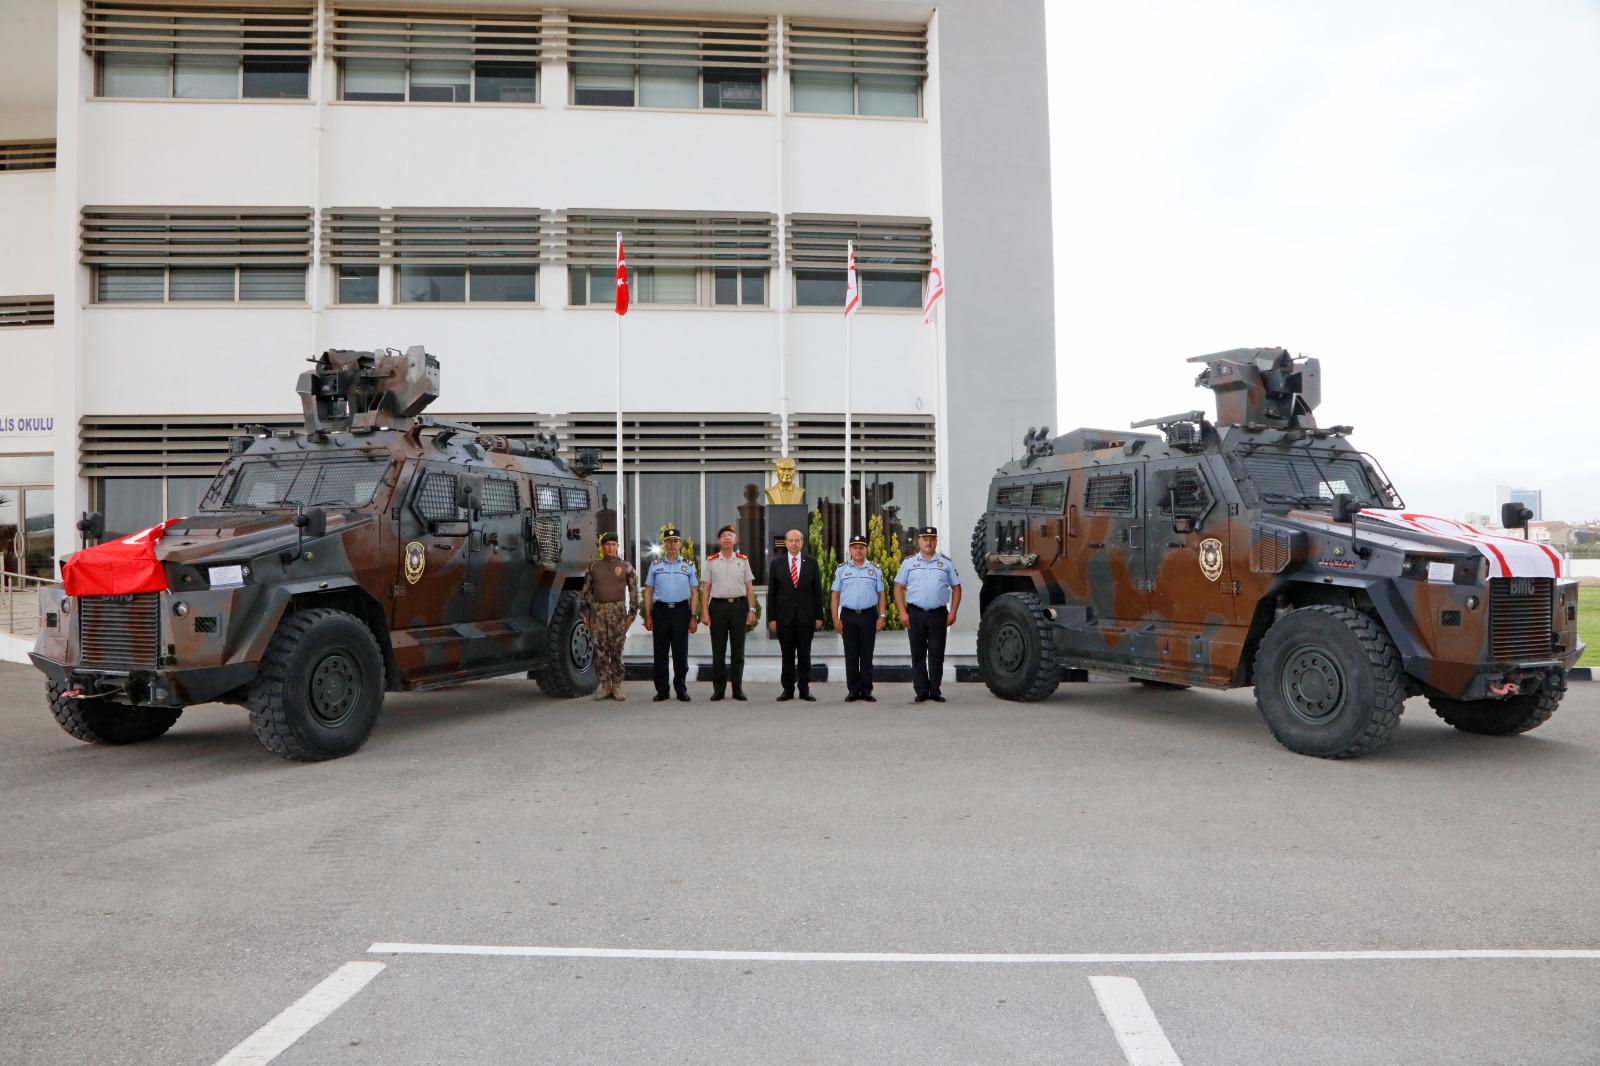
(432, 589)
(1186, 530)
(1111, 530)
(499, 572)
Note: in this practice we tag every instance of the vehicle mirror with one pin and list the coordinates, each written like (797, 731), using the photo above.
(1514, 515)
(314, 520)
(1345, 507)
(92, 525)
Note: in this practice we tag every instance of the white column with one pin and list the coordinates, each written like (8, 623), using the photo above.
(74, 80)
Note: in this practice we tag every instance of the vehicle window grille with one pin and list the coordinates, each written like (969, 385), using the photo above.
(499, 497)
(436, 499)
(1189, 494)
(1011, 496)
(1048, 496)
(1520, 618)
(1271, 551)
(1449, 618)
(547, 497)
(1310, 477)
(1109, 494)
(340, 482)
(575, 499)
(262, 484)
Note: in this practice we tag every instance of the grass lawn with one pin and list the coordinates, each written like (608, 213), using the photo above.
(1589, 623)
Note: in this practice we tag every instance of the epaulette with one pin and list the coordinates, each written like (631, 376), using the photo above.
(738, 555)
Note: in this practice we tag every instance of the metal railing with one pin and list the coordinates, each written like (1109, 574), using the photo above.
(19, 601)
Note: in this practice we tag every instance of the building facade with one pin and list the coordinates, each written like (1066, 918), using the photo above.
(201, 195)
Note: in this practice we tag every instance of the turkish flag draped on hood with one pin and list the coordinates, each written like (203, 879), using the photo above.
(118, 567)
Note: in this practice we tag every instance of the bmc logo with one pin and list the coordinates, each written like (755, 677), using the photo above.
(1521, 586)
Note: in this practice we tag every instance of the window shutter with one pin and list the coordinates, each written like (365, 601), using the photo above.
(668, 238)
(878, 442)
(360, 33)
(27, 155)
(196, 236)
(666, 40)
(859, 47)
(283, 28)
(27, 311)
(434, 236)
(818, 242)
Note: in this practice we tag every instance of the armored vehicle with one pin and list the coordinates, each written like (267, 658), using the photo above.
(1261, 549)
(375, 550)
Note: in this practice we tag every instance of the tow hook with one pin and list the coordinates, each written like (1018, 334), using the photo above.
(1502, 689)
(72, 694)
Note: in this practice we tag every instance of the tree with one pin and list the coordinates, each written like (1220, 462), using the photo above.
(886, 554)
(827, 560)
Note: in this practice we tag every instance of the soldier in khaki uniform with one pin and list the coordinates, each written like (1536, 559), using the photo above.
(729, 609)
(610, 603)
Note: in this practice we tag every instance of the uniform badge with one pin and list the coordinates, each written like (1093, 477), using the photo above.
(416, 561)
(1211, 558)
(617, 571)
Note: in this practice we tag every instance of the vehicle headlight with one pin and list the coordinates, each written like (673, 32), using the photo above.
(66, 604)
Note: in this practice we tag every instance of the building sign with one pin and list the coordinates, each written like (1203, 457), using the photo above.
(26, 425)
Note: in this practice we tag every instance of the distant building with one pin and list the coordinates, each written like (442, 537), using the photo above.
(1478, 518)
(1555, 534)
(1532, 499)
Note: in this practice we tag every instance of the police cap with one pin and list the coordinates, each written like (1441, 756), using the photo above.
(671, 533)
(727, 529)
(858, 539)
(927, 531)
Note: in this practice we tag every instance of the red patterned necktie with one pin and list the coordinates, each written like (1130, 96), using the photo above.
(794, 570)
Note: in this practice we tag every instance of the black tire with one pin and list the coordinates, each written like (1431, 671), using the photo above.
(979, 543)
(1016, 648)
(1503, 718)
(1328, 682)
(105, 722)
(320, 687)
(1161, 686)
(571, 671)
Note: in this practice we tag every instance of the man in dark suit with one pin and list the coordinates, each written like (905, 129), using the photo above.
(794, 612)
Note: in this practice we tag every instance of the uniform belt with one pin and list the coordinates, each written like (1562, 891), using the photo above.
(916, 607)
(728, 599)
(674, 603)
(859, 610)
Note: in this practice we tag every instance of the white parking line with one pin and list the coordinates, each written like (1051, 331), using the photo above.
(1091, 958)
(1138, 1033)
(270, 1041)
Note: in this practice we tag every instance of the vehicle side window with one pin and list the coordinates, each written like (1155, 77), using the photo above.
(1109, 494)
(1189, 496)
(1010, 497)
(547, 497)
(499, 497)
(1048, 496)
(575, 499)
(436, 497)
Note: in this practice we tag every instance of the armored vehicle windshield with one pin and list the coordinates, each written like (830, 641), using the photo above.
(1311, 478)
(261, 484)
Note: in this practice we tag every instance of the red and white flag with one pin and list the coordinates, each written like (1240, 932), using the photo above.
(118, 567)
(852, 288)
(622, 279)
(930, 302)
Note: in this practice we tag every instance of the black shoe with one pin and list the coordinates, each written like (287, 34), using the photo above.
(715, 696)
(870, 698)
(782, 696)
(935, 697)
(806, 695)
(740, 696)
(683, 697)
(851, 698)
(659, 697)
(920, 698)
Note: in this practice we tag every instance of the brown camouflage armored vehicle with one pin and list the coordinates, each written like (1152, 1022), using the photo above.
(1262, 549)
(376, 550)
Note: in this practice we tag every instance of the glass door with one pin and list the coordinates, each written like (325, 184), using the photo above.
(38, 531)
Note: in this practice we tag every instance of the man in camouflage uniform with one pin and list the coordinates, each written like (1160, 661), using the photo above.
(610, 603)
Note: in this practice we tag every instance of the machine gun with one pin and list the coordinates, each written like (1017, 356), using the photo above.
(382, 390)
(1264, 387)
(1185, 431)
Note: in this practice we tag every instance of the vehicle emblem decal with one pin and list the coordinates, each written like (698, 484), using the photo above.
(1211, 558)
(416, 561)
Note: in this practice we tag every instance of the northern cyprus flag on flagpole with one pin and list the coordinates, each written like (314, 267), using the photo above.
(930, 302)
(622, 278)
(852, 289)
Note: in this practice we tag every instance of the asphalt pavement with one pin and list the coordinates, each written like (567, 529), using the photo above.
(165, 902)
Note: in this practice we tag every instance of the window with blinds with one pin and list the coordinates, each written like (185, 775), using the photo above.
(421, 56)
(437, 255)
(683, 258)
(199, 254)
(893, 255)
(209, 51)
(850, 68)
(27, 311)
(672, 61)
(27, 155)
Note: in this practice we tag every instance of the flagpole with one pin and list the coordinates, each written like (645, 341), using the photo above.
(622, 479)
(850, 280)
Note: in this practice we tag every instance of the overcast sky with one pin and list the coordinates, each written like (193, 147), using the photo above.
(1409, 191)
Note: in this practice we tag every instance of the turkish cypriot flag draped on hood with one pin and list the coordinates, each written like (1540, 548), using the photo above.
(1508, 556)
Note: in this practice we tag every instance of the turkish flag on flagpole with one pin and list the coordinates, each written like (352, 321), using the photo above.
(852, 289)
(622, 279)
(935, 293)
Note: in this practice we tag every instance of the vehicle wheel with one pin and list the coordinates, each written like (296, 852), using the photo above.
(979, 537)
(105, 722)
(1164, 686)
(320, 687)
(1500, 718)
(571, 671)
(1328, 682)
(1016, 648)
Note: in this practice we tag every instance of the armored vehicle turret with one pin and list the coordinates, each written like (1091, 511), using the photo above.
(376, 549)
(1258, 548)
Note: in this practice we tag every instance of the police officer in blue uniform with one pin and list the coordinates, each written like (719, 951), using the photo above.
(670, 609)
(859, 616)
(927, 590)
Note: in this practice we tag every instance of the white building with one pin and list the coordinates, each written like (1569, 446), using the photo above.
(237, 186)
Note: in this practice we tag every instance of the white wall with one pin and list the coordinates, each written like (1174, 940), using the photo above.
(27, 261)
